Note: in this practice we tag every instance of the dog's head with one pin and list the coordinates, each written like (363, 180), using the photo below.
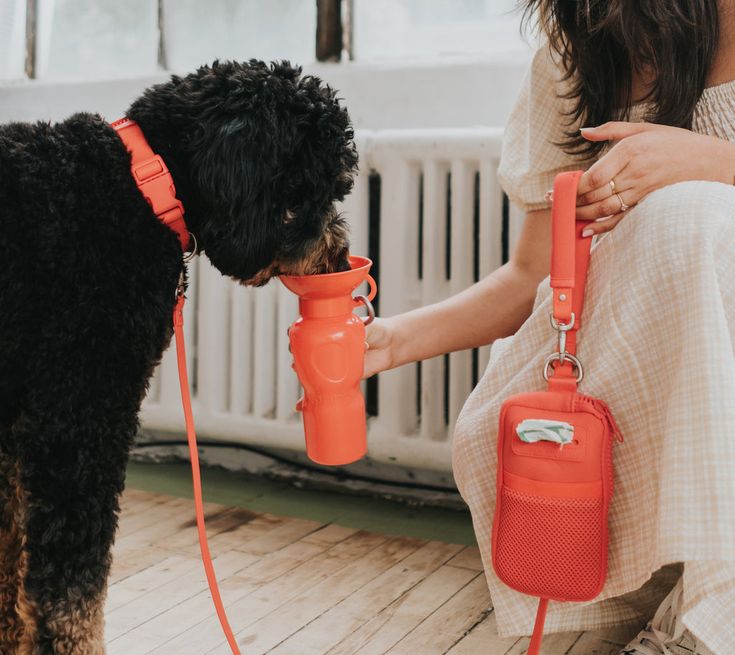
(263, 153)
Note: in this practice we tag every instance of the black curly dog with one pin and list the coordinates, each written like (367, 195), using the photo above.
(259, 154)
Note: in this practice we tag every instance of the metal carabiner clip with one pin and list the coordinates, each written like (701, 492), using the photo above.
(562, 329)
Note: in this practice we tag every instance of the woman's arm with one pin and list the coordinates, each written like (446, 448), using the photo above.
(494, 307)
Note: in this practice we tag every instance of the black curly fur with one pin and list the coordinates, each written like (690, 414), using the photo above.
(248, 145)
(258, 154)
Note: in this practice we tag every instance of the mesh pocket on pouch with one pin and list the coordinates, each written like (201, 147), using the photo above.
(550, 547)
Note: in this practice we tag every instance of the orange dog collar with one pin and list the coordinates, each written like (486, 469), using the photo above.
(153, 179)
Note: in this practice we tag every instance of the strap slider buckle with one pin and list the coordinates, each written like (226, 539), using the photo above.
(155, 182)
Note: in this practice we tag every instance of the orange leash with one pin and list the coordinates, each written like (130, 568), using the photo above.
(538, 629)
(195, 473)
(156, 184)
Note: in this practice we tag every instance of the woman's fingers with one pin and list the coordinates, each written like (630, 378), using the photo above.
(596, 195)
(607, 168)
(624, 179)
(614, 130)
(614, 204)
(603, 225)
(376, 335)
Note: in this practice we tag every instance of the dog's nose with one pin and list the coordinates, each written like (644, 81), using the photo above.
(343, 264)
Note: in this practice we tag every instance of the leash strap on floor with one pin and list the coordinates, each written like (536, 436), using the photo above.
(538, 629)
(195, 474)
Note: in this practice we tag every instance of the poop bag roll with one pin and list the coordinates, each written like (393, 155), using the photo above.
(532, 430)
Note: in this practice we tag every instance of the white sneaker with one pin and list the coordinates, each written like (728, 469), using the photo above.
(665, 634)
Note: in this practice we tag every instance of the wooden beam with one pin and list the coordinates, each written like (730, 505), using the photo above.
(348, 28)
(31, 33)
(328, 30)
(162, 59)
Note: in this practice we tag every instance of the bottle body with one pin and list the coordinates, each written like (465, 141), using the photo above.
(328, 354)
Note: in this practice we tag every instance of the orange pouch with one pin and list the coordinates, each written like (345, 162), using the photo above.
(554, 485)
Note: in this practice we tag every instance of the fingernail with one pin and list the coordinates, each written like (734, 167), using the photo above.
(591, 127)
(587, 232)
(604, 218)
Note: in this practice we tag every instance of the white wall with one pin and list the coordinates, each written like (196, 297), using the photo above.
(463, 92)
(391, 29)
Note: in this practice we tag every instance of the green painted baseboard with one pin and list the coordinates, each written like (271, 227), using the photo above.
(263, 495)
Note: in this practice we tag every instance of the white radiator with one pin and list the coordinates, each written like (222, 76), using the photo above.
(440, 210)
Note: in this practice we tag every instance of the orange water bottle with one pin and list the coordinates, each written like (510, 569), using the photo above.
(328, 347)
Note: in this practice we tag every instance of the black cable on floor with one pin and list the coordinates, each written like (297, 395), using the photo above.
(306, 467)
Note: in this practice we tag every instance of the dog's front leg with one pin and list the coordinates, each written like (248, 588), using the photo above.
(73, 471)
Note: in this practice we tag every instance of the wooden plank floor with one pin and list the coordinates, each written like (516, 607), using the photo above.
(298, 587)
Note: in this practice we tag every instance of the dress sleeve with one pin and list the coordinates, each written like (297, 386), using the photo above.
(530, 157)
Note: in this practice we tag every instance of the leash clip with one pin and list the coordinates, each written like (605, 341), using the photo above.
(178, 317)
(562, 329)
(181, 286)
(562, 356)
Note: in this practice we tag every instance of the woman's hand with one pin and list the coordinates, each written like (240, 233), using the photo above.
(646, 157)
(381, 346)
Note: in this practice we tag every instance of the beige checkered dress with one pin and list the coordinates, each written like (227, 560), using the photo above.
(657, 345)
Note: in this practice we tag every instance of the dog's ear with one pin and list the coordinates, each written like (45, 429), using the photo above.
(240, 216)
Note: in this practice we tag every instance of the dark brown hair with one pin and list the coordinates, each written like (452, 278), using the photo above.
(602, 42)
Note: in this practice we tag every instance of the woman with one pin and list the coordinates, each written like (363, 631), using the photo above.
(659, 330)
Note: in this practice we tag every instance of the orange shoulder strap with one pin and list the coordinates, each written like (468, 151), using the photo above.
(570, 255)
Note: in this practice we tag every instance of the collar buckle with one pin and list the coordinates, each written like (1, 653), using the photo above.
(157, 185)
(153, 179)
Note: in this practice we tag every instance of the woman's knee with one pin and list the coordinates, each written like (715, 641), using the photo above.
(682, 216)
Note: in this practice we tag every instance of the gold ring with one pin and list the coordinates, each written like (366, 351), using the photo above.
(612, 186)
(623, 206)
